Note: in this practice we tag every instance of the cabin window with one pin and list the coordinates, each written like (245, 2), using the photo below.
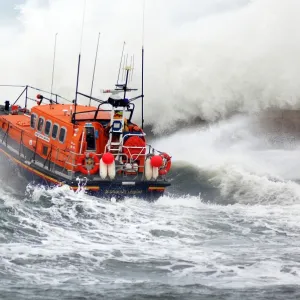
(62, 134)
(47, 127)
(54, 131)
(33, 120)
(40, 124)
(90, 138)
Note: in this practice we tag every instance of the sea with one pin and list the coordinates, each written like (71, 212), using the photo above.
(227, 228)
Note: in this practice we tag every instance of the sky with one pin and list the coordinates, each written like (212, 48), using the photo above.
(203, 58)
(7, 11)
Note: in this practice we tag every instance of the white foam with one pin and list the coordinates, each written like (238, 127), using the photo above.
(215, 70)
(195, 66)
(220, 246)
(238, 160)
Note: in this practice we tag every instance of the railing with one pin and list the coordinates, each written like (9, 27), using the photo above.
(26, 89)
(130, 108)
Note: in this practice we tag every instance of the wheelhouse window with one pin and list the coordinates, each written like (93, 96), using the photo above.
(47, 127)
(62, 134)
(90, 138)
(40, 124)
(55, 131)
(33, 118)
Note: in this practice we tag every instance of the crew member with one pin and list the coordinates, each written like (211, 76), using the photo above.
(117, 115)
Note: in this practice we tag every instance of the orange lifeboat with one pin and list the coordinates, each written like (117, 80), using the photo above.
(61, 142)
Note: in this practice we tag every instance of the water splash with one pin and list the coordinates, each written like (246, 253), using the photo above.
(201, 69)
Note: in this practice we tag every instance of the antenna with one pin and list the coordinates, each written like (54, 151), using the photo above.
(124, 63)
(124, 67)
(53, 64)
(132, 66)
(79, 58)
(121, 62)
(143, 87)
(127, 70)
(94, 69)
(143, 37)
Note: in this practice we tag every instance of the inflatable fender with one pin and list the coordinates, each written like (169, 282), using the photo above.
(148, 169)
(155, 172)
(103, 169)
(111, 170)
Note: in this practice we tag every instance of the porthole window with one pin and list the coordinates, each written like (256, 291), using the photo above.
(41, 124)
(48, 127)
(62, 134)
(33, 120)
(55, 131)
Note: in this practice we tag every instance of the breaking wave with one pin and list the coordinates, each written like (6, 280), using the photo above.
(238, 56)
(232, 162)
(230, 220)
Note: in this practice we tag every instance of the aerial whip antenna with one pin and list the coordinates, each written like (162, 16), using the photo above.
(124, 67)
(94, 69)
(121, 62)
(53, 64)
(132, 66)
(79, 58)
(143, 37)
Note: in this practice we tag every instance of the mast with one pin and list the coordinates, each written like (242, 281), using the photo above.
(77, 82)
(53, 65)
(143, 87)
(79, 59)
(126, 81)
(94, 69)
(143, 36)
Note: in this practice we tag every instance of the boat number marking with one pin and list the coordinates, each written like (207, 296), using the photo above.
(41, 136)
(130, 192)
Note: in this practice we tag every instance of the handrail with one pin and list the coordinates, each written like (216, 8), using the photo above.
(26, 89)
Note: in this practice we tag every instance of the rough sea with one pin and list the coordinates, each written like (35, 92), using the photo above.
(228, 228)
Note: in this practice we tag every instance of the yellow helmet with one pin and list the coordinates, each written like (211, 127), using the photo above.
(120, 113)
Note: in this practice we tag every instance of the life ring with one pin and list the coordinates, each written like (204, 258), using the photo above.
(167, 164)
(81, 166)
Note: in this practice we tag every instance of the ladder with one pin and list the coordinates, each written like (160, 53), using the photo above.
(115, 140)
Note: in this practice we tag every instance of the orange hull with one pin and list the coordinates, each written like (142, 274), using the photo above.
(63, 142)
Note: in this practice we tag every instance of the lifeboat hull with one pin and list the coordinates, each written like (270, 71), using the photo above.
(106, 189)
